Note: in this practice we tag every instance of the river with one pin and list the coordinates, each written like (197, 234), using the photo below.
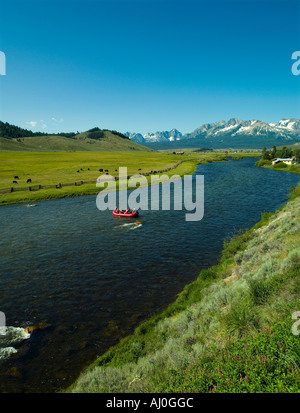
(89, 278)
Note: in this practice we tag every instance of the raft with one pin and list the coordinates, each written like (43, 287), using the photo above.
(131, 214)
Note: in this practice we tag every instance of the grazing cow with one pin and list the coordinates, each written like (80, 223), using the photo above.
(106, 170)
(88, 169)
(81, 169)
(16, 177)
(77, 171)
(100, 170)
(15, 182)
(28, 180)
(140, 169)
(116, 170)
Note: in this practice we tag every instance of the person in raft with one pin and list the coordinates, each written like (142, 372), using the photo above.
(128, 211)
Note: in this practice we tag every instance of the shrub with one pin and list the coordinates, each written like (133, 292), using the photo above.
(208, 274)
(293, 258)
(263, 162)
(241, 318)
(268, 269)
(265, 219)
(237, 243)
(280, 165)
(260, 291)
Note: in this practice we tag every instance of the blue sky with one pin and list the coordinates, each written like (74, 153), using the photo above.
(143, 66)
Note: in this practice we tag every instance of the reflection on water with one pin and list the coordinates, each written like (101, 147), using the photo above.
(88, 278)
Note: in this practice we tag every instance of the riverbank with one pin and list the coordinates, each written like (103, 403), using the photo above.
(263, 163)
(75, 173)
(228, 331)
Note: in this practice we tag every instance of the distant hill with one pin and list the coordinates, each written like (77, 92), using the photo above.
(294, 146)
(13, 138)
(235, 133)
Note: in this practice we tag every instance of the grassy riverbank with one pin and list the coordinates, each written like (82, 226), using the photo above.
(61, 167)
(228, 331)
(264, 163)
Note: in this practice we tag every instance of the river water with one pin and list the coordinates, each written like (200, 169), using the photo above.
(88, 278)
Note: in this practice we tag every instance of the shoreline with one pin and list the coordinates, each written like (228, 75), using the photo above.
(294, 169)
(117, 358)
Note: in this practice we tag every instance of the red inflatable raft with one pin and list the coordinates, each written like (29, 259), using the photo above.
(120, 214)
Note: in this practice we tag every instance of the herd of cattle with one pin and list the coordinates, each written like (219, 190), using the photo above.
(27, 182)
(29, 179)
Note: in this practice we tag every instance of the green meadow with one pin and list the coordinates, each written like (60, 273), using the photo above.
(52, 168)
(48, 168)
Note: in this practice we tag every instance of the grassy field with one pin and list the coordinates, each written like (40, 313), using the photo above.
(61, 167)
(230, 331)
(47, 168)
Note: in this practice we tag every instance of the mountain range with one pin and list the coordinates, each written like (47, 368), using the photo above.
(233, 133)
(173, 135)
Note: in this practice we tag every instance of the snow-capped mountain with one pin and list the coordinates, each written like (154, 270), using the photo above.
(251, 133)
(135, 137)
(285, 128)
(165, 136)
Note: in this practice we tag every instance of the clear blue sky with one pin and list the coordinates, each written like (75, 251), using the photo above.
(144, 65)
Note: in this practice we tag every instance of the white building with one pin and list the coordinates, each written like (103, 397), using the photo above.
(288, 161)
